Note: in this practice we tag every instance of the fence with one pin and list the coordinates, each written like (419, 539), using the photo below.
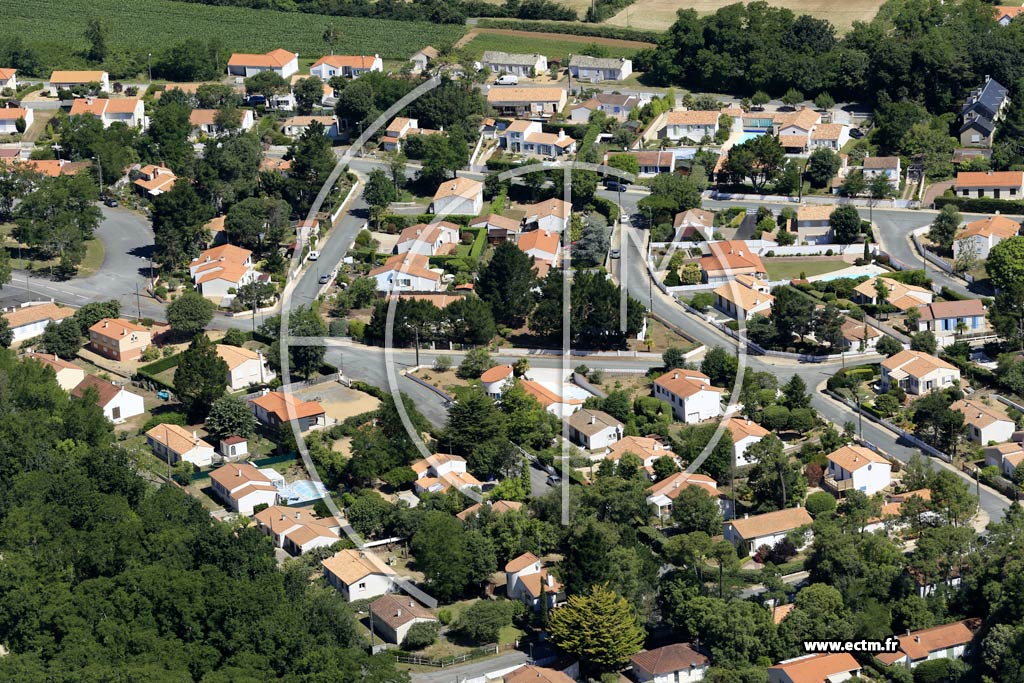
(914, 441)
(261, 462)
(428, 385)
(811, 199)
(898, 336)
(457, 659)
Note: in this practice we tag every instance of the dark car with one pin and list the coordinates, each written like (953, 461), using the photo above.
(110, 201)
(615, 186)
(856, 133)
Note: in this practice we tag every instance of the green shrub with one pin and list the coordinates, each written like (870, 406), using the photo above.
(164, 418)
(421, 634)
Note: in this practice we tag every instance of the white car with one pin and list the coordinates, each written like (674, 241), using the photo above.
(314, 255)
(507, 79)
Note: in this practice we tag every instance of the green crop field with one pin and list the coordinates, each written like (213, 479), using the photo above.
(55, 27)
(551, 47)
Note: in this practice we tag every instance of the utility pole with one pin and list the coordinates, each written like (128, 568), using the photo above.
(138, 300)
(417, 331)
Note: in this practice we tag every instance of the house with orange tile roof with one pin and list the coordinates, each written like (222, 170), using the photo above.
(53, 168)
(743, 298)
(242, 487)
(401, 129)
(918, 373)
(978, 237)
(296, 126)
(436, 239)
(551, 214)
(119, 339)
(407, 273)
(948, 641)
(528, 673)
(274, 408)
(745, 433)
(496, 507)
(528, 137)
(947, 320)
(204, 122)
(66, 80)
(900, 295)
(127, 110)
(662, 494)
(422, 58)
(458, 196)
(495, 380)
(858, 335)
(1006, 456)
(675, 663)
(994, 184)
(1004, 14)
(985, 423)
(519, 102)
(173, 444)
(794, 129)
(558, 405)
(30, 320)
(118, 404)
(890, 167)
(819, 668)
(615, 106)
(8, 79)
(812, 223)
(68, 374)
(754, 531)
(647, 448)
(297, 530)
(830, 136)
(729, 258)
(358, 574)
(690, 394)
(9, 117)
(154, 180)
(694, 223)
(526, 579)
(346, 66)
(541, 245)
(690, 125)
(441, 471)
(219, 270)
(245, 367)
(281, 62)
(857, 468)
(499, 228)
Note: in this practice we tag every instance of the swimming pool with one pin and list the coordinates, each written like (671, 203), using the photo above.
(749, 135)
(302, 491)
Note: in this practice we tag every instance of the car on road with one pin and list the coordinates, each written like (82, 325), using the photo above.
(554, 479)
(325, 278)
(314, 255)
(856, 133)
(615, 186)
(507, 79)
(110, 201)
(615, 253)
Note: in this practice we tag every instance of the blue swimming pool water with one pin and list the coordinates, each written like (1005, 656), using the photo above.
(748, 135)
(302, 491)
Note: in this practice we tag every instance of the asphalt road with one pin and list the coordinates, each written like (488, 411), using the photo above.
(477, 669)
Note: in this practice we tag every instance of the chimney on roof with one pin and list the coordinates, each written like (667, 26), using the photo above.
(675, 375)
(746, 515)
(917, 639)
(398, 612)
(593, 419)
(283, 516)
(195, 436)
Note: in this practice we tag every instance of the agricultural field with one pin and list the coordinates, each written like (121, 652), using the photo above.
(141, 26)
(658, 15)
(551, 45)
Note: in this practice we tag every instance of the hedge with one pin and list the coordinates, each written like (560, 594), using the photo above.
(158, 366)
(607, 207)
(573, 28)
(982, 204)
(403, 221)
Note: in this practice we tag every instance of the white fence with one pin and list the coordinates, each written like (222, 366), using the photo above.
(762, 247)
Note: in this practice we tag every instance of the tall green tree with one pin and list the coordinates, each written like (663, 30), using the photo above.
(506, 284)
(453, 559)
(190, 313)
(845, 224)
(379, 193)
(759, 160)
(475, 430)
(230, 416)
(179, 219)
(943, 228)
(599, 627)
(775, 481)
(201, 376)
(822, 166)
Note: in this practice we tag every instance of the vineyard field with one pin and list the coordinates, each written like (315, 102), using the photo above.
(56, 27)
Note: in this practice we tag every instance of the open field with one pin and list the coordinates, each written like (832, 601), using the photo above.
(658, 15)
(551, 45)
(153, 25)
(581, 6)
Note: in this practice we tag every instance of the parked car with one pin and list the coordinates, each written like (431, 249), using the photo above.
(314, 255)
(554, 479)
(856, 133)
(615, 253)
(325, 278)
(616, 186)
(507, 79)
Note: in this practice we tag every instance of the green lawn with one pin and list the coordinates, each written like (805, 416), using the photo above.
(552, 48)
(791, 270)
(20, 258)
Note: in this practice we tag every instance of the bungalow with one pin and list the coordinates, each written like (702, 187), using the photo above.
(499, 228)
(393, 615)
(274, 408)
(30, 320)
(9, 117)
(729, 258)
(949, 319)
(948, 641)
(463, 196)
(982, 110)
(358, 574)
(8, 79)
(496, 507)
(68, 374)
(615, 106)
(204, 122)
(527, 580)
(119, 339)
(541, 245)
(995, 184)
(1006, 456)
(245, 367)
(66, 80)
(400, 129)
(985, 424)
(794, 129)
(440, 471)
(295, 126)
(887, 166)
(647, 448)
(820, 668)
(551, 215)
(174, 444)
(526, 102)
(527, 137)
(129, 111)
(689, 124)
(118, 403)
(593, 429)
(218, 271)
(662, 494)
(918, 373)
(978, 237)
(242, 487)
(281, 62)
(676, 663)
(155, 180)
(296, 530)
(652, 163)
(597, 69)
(902, 296)
(744, 298)
(857, 467)
(693, 224)
(559, 406)
(495, 380)
(348, 66)
(527, 673)
(1004, 14)
(812, 223)
(515, 64)
(429, 240)
(750, 533)
(745, 433)
(830, 136)
(690, 394)
(859, 336)
(408, 273)
(422, 58)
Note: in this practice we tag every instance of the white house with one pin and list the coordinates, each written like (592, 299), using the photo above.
(526, 580)
(616, 106)
(515, 64)
(118, 403)
(65, 80)
(245, 366)
(978, 237)
(918, 373)
(68, 374)
(947, 320)
(129, 111)
(401, 129)
(948, 641)
(745, 433)
(857, 467)
(694, 223)
(218, 270)
(994, 184)
(662, 494)
(693, 125)
(204, 122)
(750, 533)
(830, 136)
(154, 180)
(526, 102)
(8, 79)
(173, 443)
(984, 423)
(296, 126)
(690, 394)
(422, 59)
(242, 487)
(441, 471)
(348, 66)
(297, 530)
(887, 166)
(407, 273)
(676, 663)
(820, 668)
(902, 296)
(499, 228)
(429, 240)
(358, 574)
(1004, 14)
(458, 196)
(541, 245)
(594, 429)
(30, 320)
(274, 408)
(233, 448)
(551, 215)
(281, 62)
(495, 380)
(394, 615)
(647, 448)
(9, 117)
(527, 137)
(559, 406)
(596, 69)
(744, 298)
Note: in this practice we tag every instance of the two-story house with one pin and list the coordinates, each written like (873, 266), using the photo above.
(752, 532)
(129, 111)
(440, 471)
(918, 373)
(119, 339)
(745, 433)
(514, 63)
(429, 240)
(526, 579)
(358, 574)
(947, 320)
(676, 663)
(691, 125)
(978, 237)
(281, 62)
(520, 102)
(407, 273)
(221, 269)
(982, 110)
(994, 184)
(154, 180)
(527, 137)
(347, 66)
(173, 444)
(242, 487)
(690, 394)
(245, 366)
(593, 430)
(985, 424)
(948, 641)
(729, 258)
(8, 80)
(597, 69)
(400, 130)
(744, 298)
(857, 468)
